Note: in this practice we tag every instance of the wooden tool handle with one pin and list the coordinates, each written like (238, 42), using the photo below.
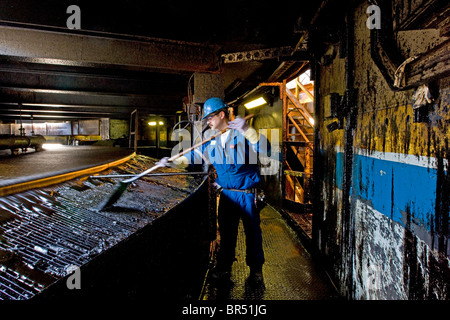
(205, 141)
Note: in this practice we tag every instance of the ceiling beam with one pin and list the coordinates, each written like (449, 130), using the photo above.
(95, 110)
(84, 50)
(142, 83)
(86, 98)
(69, 116)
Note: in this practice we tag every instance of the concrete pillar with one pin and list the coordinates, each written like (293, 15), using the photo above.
(208, 85)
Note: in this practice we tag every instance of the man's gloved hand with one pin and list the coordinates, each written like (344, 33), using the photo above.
(244, 128)
(178, 163)
(217, 187)
(239, 124)
(164, 162)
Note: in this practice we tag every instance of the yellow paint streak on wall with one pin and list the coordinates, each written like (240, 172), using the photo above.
(393, 130)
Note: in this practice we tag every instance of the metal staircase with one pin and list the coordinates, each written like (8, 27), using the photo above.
(298, 146)
(298, 141)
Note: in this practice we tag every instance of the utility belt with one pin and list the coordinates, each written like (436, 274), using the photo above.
(251, 190)
(259, 195)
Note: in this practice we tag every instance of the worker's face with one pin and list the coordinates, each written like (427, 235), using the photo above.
(217, 121)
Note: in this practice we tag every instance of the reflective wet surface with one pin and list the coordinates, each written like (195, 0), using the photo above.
(60, 158)
(289, 271)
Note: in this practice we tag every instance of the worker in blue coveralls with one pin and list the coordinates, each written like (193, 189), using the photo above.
(234, 156)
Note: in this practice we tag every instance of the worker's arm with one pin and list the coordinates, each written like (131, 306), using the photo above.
(193, 157)
(251, 135)
(241, 125)
(258, 141)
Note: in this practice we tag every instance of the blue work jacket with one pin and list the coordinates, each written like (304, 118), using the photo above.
(236, 164)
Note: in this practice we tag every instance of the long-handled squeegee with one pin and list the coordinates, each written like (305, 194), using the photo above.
(123, 185)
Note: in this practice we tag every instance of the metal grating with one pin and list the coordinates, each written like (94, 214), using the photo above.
(45, 234)
(43, 237)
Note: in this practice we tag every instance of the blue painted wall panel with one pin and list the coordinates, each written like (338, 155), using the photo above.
(395, 188)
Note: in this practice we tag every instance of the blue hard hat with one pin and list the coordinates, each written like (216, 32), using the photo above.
(212, 105)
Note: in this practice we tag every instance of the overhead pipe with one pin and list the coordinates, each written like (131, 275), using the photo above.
(15, 143)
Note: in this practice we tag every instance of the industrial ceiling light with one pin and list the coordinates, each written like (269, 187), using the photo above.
(255, 103)
(153, 123)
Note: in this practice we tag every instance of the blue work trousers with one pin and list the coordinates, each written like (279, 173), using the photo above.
(233, 206)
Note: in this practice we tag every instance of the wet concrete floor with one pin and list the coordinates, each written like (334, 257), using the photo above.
(289, 271)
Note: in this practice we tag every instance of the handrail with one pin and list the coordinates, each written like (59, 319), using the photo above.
(304, 89)
(298, 128)
(302, 110)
